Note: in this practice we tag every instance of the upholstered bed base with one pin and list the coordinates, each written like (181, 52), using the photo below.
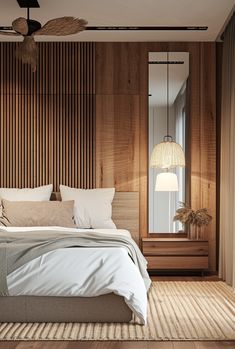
(105, 308)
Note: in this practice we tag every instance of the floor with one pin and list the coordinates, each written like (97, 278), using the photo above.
(117, 345)
(126, 344)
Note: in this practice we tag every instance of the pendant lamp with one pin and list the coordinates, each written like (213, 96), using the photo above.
(167, 154)
(166, 181)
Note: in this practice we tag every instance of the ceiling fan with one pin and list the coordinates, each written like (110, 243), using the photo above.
(27, 51)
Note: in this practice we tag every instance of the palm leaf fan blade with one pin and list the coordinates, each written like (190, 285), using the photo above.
(20, 25)
(3, 32)
(27, 52)
(62, 26)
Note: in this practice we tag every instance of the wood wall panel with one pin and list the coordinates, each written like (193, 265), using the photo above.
(117, 141)
(48, 117)
(117, 68)
(126, 212)
(208, 143)
(122, 69)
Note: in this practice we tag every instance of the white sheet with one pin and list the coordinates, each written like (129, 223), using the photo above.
(83, 272)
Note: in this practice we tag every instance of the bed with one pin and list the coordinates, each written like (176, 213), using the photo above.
(108, 307)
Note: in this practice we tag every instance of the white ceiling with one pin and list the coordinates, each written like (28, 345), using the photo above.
(178, 74)
(211, 13)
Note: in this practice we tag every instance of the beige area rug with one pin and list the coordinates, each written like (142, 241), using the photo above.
(177, 311)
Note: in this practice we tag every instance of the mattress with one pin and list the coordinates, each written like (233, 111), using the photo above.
(82, 272)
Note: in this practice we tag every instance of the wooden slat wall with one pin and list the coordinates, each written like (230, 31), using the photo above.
(47, 119)
(122, 123)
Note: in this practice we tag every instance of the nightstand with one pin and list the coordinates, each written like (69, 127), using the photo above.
(175, 253)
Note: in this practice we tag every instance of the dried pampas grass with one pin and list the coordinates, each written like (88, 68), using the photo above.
(186, 215)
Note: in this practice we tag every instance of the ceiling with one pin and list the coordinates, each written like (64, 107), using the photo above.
(211, 13)
(178, 74)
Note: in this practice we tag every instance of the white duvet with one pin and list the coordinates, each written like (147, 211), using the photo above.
(83, 272)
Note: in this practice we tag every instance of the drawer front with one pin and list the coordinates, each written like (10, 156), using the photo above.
(174, 248)
(177, 262)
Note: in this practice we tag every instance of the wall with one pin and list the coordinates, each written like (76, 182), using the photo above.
(47, 118)
(122, 123)
(82, 120)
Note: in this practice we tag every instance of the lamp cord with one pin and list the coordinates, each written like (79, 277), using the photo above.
(167, 138)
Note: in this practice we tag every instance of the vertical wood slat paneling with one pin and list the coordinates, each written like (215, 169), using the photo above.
(47, 118)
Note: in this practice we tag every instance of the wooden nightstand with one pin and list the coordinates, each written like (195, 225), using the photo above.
(175, 253)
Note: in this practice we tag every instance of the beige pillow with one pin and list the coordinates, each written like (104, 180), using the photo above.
(42, 193)
(37, 213)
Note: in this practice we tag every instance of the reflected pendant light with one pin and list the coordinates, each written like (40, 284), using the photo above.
(167, 154)
(166, 181)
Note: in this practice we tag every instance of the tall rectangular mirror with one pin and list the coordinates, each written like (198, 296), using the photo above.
(168, 113)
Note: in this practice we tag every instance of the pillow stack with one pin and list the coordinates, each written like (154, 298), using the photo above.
(89, 208)
(42, 193)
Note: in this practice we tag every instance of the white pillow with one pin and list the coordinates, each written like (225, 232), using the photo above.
(92, 207)
(42, 193)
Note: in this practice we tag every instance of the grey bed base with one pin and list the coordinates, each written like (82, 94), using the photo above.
(105, 308)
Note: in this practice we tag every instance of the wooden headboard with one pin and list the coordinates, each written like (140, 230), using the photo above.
(125, 211)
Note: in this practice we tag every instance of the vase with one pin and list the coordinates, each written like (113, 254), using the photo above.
(194, 232)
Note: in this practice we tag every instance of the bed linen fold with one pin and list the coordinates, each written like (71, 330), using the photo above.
(18, 248)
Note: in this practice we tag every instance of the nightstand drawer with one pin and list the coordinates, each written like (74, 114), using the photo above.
(176, 253)
(177, 262)
(173, 247)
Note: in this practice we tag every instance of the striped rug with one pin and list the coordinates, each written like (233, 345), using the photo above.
(177, 311)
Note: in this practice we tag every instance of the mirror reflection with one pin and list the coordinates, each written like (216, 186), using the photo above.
(168, 109)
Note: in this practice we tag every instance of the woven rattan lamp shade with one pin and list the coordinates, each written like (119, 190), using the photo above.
(167, 154)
